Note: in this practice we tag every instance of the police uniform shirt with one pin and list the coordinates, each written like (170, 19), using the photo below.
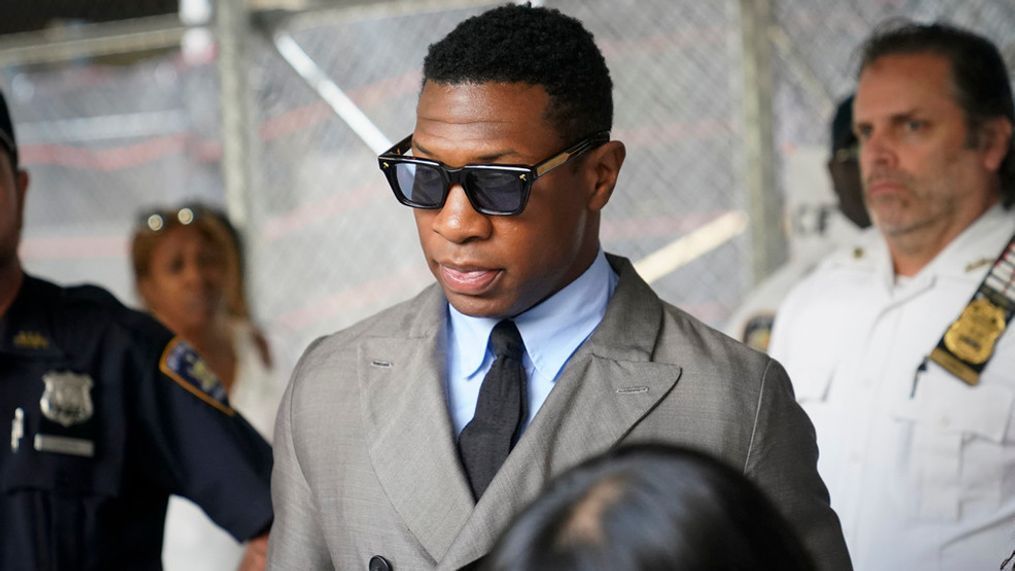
(107, 415)
(919, 465)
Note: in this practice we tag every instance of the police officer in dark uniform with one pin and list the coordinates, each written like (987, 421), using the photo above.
(108, 414)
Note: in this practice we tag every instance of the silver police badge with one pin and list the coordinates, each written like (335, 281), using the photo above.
(68, 398)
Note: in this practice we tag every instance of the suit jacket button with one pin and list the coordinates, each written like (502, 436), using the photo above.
(378, 563)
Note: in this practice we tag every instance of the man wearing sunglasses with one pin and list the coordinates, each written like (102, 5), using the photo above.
(410, 440)
(108, 414)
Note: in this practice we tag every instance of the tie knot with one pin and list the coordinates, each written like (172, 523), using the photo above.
(506, 341)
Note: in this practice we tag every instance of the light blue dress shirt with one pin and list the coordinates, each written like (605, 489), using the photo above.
(552, 331)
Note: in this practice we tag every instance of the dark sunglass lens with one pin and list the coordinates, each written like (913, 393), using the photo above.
(420, 184)
(496, 191)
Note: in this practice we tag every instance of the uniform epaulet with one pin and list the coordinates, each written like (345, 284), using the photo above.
(94, 299)
(88, 292)
(857, 251)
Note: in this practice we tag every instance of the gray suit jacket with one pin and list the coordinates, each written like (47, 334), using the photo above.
(366, 464)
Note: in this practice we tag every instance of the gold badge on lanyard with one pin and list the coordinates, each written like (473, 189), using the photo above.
(969, 342)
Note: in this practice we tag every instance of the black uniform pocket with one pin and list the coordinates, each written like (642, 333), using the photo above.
(53, 506)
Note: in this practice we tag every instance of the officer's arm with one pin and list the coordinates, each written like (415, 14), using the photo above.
(783, 461)
(201, 448)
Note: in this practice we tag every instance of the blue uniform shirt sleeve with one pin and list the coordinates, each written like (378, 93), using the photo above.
(199, 447)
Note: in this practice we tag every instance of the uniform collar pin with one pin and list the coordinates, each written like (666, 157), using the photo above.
(976, 264)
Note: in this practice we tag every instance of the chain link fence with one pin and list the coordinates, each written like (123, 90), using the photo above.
(102, 142)
(326, 242)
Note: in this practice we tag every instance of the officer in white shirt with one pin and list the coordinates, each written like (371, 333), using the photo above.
(898, 345)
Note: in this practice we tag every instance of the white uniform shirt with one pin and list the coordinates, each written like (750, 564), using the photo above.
(922, 478)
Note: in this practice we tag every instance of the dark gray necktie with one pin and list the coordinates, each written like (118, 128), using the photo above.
(486, 441)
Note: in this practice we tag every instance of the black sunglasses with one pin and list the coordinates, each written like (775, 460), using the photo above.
(499, 190)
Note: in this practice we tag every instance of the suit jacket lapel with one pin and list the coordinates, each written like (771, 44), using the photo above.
(411, 439)
(606, 388)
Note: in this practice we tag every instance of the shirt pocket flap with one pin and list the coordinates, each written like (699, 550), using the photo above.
(951, 405)
(68, 474)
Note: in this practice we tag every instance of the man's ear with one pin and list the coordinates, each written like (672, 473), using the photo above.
(607, 160)
(995, 141)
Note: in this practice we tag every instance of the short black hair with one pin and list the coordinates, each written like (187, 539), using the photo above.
(979, 75)
(532, 45)
(650, 506)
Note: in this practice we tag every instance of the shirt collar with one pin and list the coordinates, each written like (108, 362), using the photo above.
(977, 246)
(551, 331)
(971, 253)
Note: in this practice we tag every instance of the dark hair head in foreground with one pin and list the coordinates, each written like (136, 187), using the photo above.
(536, 46)
(650, 507)
(982, 87)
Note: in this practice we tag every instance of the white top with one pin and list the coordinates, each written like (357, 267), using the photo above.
(922, 478)
(192, 542)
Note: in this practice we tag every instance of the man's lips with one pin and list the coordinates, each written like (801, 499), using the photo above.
(881, 186)
(468, 280)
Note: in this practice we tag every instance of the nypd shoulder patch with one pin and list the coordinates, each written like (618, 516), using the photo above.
(181, 363)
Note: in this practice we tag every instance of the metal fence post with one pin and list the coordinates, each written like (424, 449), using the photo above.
(763, 198)
(231, 25)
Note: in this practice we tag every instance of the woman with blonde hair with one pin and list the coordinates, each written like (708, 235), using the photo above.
(188, 269)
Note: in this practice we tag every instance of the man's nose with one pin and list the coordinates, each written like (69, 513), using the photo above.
(457, 221)
(877, 150)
